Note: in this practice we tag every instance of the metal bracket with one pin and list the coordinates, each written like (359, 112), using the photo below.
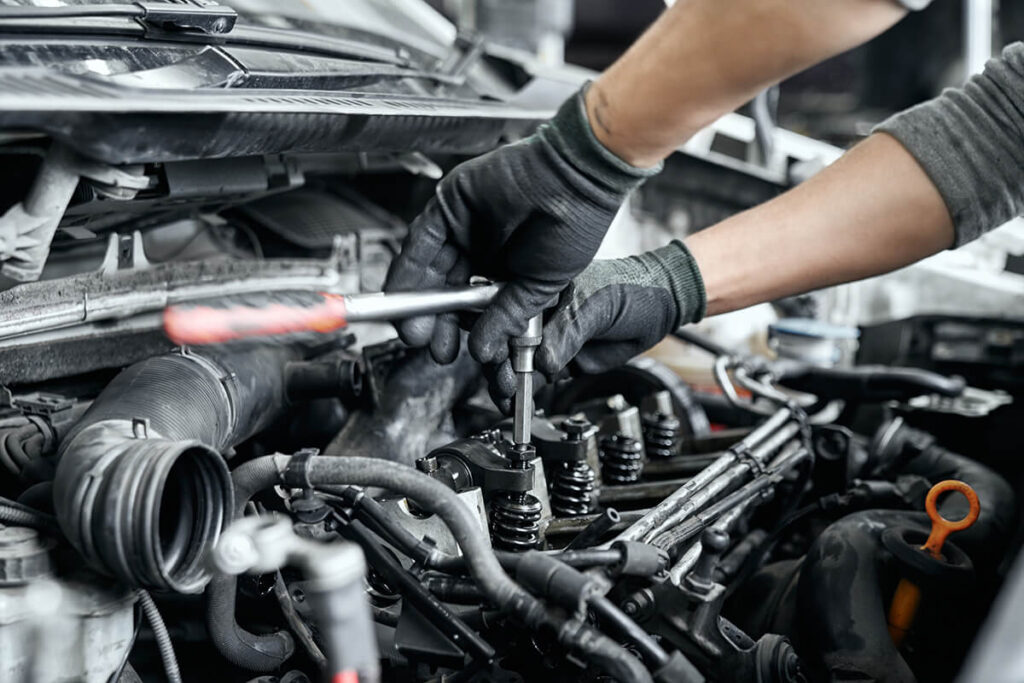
(203, 16)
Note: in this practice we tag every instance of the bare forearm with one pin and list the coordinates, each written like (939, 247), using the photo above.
(871, 212)
(704, 58)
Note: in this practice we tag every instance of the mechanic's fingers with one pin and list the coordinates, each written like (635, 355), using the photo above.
(600, 356)
(420, 331)
(444, 344)
(507, 317)
(501, 384)
(420, 248)
(566, 332)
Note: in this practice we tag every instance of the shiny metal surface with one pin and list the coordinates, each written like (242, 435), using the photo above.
(523, 349)
(399, 305)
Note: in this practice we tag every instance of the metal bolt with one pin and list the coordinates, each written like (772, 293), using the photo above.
(575, 427)
(428, 464)
(520, 455)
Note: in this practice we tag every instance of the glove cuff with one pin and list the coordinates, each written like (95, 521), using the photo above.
(570, 134)
(681, 277)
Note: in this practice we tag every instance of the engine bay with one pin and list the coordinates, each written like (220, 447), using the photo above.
(338, 506)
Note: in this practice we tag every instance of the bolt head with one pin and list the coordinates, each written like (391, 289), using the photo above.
(575, 426)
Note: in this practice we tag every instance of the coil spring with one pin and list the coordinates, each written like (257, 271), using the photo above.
(572, 489)
(622, 458)
(515, 521)
(661, 435)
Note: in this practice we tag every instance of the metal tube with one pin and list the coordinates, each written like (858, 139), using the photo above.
(721, 484)
(692, 554)
(398, 305)
(678, 465)
(664, 510)
(627, 493)
(978, 16)
(792, 454)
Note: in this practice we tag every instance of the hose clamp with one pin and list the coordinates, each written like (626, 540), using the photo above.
(296, 474)
(745, 456)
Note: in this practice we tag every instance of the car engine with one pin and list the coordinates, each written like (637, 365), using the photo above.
(337, 506)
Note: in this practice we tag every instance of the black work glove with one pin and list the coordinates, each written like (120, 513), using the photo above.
(615, 310)
(531, 214)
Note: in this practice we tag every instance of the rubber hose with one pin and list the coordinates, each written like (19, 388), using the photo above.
(844, 626)
(437, 498)
(159, 429)
(500, 589)
(648, 647)
(252, 652)
(163, 639)
(990, 535)
(607, 655)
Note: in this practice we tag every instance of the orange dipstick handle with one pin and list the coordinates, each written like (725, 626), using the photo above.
(244, 318)
(907, 597)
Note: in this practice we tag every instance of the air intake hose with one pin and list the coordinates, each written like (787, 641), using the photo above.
(141, 488)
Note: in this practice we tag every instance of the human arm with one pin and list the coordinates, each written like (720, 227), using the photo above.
(533, 214)
(936, 176)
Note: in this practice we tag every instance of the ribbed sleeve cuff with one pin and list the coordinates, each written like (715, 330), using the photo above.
(683, 279)
(570, 134)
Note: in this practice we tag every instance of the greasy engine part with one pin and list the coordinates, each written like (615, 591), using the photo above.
(416, 399)
(158, 430)
(635, 381)
(270, 650)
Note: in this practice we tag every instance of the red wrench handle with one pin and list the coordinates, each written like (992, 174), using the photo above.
(238, 318)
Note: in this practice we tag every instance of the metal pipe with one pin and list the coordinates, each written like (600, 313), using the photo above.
(681, 568)
(713, 442)
(747, 494)
(630, 493)
(978, 15)
(680, 464)
(657, 516)
(722, 484)
(388, 306)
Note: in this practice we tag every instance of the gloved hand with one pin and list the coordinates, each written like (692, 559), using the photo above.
(531, 214)
(613, 311)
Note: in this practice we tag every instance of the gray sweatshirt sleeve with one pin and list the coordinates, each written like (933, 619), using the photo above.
(970, 142)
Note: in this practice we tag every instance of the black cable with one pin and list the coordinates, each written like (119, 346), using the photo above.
(610, 615)
(701, 342)
(432, 609)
